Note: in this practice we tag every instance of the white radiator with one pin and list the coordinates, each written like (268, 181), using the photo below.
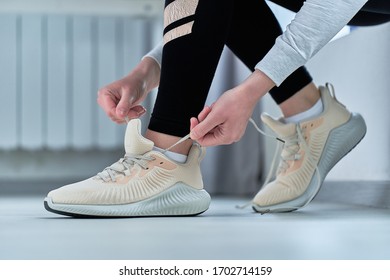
(51, 67)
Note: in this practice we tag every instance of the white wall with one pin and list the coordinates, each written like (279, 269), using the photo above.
(51, 67)
(358, 65)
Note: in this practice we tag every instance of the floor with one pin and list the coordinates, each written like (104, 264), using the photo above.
(319, 231)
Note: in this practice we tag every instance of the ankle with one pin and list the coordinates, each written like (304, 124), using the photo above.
(164, 141)
(301, 101)
(313, 112)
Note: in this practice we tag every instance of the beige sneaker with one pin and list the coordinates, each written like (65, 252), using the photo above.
(143, 183)
(310, 151)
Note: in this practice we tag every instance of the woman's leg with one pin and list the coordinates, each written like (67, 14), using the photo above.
(252, 33)
(366, 18)
(205, 43)
(250, 41)
(311, 147)
(195, 33)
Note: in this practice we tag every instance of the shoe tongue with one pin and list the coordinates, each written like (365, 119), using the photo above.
(135, 143)
(281, 129)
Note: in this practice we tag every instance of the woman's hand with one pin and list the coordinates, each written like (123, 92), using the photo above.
(225, 121)
(122, 98)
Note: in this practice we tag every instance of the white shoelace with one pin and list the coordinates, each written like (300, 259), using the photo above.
(123, 166)
(292, 146)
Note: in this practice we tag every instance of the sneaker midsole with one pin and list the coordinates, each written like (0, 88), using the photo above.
(178, 200)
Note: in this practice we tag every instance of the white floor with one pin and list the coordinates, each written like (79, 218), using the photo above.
(319, 231)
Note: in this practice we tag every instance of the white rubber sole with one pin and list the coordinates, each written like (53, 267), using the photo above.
(340, 142)
(179, 200)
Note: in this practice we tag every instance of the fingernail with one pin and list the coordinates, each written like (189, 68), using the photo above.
(122, 112)
(143, 111)
(193, 135)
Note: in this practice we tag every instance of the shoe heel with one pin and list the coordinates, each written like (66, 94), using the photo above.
(341, 141)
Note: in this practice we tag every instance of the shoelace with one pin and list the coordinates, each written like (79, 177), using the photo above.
(291, 146)
(124, 165)
(291, 149)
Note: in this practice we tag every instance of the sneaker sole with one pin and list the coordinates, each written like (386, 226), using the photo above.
(337, 146)
(179, 200)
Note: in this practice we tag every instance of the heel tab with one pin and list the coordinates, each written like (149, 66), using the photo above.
(332, 93)
(202, 151)
(197, 152)
(331, 90)
(134, 142)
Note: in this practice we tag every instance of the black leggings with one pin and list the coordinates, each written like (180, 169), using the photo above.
(189, 61)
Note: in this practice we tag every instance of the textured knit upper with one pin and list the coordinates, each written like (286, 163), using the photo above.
(297, 168)
(146, 174)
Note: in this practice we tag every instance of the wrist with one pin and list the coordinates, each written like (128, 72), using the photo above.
(256, 86)
(148, 70)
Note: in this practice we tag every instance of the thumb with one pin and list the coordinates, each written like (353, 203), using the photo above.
(204, 127)
(124, 105)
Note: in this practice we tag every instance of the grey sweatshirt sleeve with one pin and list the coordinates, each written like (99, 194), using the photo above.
(313, 27)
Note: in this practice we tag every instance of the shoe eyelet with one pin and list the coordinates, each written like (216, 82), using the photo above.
(161, 162)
